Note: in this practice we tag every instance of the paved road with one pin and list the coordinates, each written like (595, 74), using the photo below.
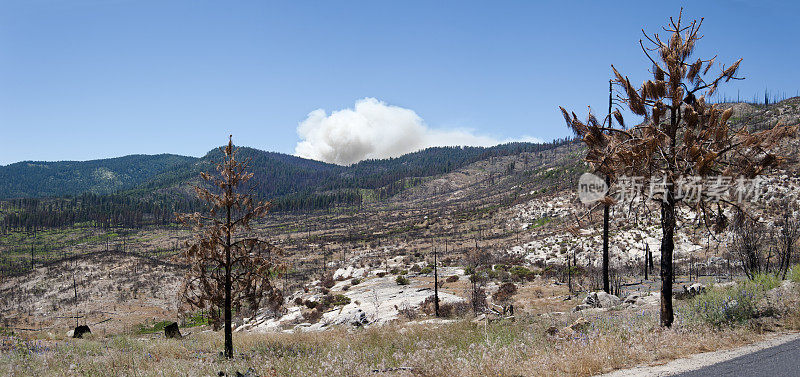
(778, 361)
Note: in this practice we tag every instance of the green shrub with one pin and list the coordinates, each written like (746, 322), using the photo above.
(732, 305)
(401, 280)
(794, 273)
(425, 270)
(196, 319)
(340, 300)
(355, 281)
(521, 273)
(156, 328)
(766, 281)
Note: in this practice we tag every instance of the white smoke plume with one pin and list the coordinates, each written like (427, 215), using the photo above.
(374, 130)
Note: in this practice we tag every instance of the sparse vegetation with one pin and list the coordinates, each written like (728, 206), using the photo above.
(518, 348)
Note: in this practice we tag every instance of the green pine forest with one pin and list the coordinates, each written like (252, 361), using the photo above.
(144, 190)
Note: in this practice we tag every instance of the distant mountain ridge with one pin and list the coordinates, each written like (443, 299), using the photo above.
(33, 179)
(277, 175)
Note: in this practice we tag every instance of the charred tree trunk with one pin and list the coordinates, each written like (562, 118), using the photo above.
(435, 284)
(667, 248)
(228, 329)
(646, 260)
(606, 287)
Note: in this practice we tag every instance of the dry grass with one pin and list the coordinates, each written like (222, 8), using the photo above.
(615, 339)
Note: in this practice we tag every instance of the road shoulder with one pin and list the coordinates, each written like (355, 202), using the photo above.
(702, 360)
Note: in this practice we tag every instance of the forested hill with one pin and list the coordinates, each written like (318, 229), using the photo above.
(32, 179)
(136, 191)
(296, 183)
(292, 182)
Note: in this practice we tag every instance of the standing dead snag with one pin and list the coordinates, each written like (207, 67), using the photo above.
(229, 267)
(682, 137)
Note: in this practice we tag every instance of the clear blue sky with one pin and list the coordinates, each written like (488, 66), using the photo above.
(85, 79)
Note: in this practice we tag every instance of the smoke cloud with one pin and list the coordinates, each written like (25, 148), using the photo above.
(372, 130)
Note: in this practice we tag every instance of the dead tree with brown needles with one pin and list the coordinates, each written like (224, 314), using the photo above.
(681, 138)
(229, 267)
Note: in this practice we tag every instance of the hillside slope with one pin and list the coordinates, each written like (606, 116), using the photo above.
(29, 179)
(277, 175)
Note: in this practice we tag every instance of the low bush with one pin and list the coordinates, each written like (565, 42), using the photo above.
(327, 281)
(408, 312)
(425, 270)
(766, 282)
(732, 305)
(504, 292)
(452, 279)
(521, 273)
(312, 316)
(340, 300)
(446, 310)
(726, 306)
(401, 280)
(157, 327)
(794, 273)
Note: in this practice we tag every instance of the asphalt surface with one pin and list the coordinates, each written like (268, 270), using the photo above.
(778, 361)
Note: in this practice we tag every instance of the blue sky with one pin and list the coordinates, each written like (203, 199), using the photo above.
(86, 79)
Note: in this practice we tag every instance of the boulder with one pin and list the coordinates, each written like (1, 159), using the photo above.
(582, 307)
(360, 319)
(689, 292)
(646, 299)
(631, 299)
(172, 331)
(343, 273)
(80, 331)
(580, 325)
(601, 300)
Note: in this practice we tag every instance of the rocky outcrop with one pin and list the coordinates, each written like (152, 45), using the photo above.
(599, 300)
(374, 301)
(689, 292)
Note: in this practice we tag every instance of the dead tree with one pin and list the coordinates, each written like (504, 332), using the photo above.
(788, 232)
(748, 238)
(681, 137)
(229, 268)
